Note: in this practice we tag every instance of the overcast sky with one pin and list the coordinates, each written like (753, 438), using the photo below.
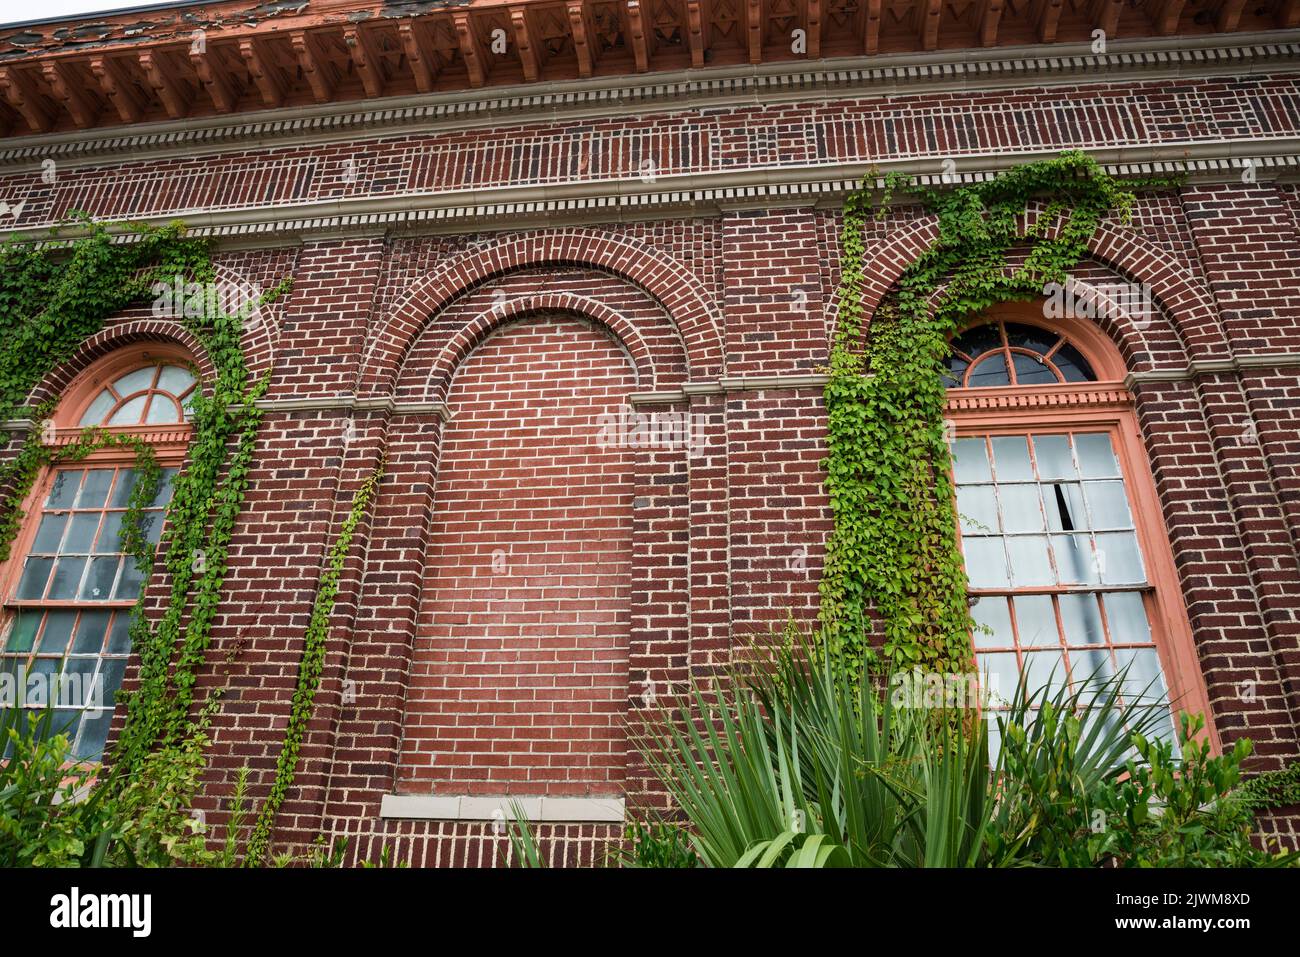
(16, 11)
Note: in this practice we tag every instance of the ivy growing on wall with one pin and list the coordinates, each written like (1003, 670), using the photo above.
(309, 671)
(53, 296)
(893, 556)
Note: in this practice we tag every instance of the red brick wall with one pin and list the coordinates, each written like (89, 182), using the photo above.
(631, 571)
(520, 672)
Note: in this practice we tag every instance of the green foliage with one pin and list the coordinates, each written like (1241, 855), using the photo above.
(893, 549)
(52, 297)
(235, 822)
(523, 842)
(34, 787)
(1273, 788)
(309, 670)
(53, 815)
(1181, 811)
(807, 764)
(655, 844)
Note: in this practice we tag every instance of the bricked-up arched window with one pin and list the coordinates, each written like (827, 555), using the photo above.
(1070, 568)
(69, 591)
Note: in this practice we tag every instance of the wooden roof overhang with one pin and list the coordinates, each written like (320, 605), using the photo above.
(194, 60)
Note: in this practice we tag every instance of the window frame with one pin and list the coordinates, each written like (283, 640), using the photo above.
(1102, 406)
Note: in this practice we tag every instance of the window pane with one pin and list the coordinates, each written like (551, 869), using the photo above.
(991, 612)
(175, 379)
(1091, 667)
(94, 489)
(953, 375)
(1033, 338)
(99, 580)
(129, 582)
(119, 637)
(67, 723)
(999, 672)
(81, 532)
(63, 490)
(44, 670)
(1082, 620)
(135, 381)
(111, 674)
(1119, 559)
(990, 371)
(1109, 505)
(971, 461)
(110, 534)
(76, 684)
(23, 631)
(1021, 510)
(35, 574)
(979, 340)
(977, 509)
(1144, 681)
(49, 534)
(151, 524)
(1127, 618)
(122, 490)
(1036, 621)
(162, 410)
(986, 563)
(1073, 365)
(67, 578)
(1044, 670)
(94, 732)
(56, 633)
(1064, 503)
(1075, 564)
(1096, 456)
(1011, 459)
(129, 413)
(89, 639)
(96, 411)
(1054, 458)
(1029, 562)
(165, 481)
(1031, 371)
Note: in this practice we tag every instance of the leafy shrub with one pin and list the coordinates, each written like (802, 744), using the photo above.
(808, 764)
(57, 813)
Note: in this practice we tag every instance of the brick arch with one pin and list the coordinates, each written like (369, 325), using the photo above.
(259, 336)
(120, 336)
(1187, 305)
(471, 335)
(667, 281)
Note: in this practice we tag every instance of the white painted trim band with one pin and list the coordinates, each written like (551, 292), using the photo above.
(558, 810)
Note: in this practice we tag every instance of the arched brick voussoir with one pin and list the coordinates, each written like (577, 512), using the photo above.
(1181, 295)
(885, 262)
(468, 337)
(670, 283)
(261, 326)
(122, 335)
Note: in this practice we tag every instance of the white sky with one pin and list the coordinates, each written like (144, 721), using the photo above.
(16, 11)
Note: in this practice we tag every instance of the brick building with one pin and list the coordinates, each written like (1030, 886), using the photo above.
(524, 236)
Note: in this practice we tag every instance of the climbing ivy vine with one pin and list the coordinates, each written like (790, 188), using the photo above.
(309, 671)
(55, 295)
(892, 560)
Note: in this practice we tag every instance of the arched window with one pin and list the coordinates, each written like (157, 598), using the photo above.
(1070, 568)
(69, 590)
